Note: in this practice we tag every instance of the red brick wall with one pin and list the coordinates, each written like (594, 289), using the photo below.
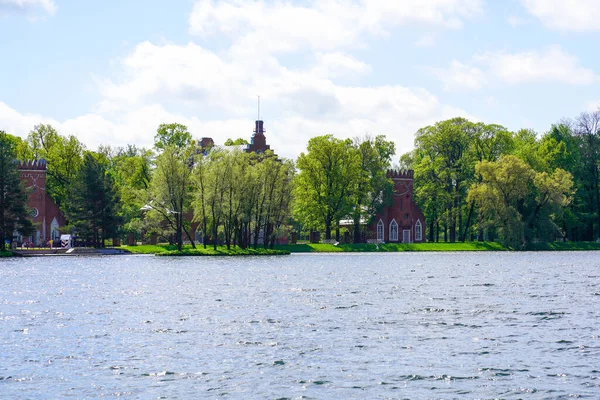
(44, 210)
(403, 211)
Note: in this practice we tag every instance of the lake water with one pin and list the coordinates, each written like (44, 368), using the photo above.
(312, 326)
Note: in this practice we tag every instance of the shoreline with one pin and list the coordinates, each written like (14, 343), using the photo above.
(165, 250)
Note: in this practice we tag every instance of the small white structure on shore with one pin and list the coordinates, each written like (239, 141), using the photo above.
(66, 241)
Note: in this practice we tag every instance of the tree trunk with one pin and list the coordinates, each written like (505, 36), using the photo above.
(356, 231)
(464, 235)
(328, 229)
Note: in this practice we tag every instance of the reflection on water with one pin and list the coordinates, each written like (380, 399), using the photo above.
(416, 325)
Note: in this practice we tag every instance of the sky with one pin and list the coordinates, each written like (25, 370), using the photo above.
(110, 71)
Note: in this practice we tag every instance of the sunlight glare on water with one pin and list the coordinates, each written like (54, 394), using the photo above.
(313, 326)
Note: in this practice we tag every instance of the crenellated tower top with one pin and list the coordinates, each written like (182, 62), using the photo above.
(400, 174)
(35, 165)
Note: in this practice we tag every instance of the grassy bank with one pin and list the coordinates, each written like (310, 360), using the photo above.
(5, 254)
(563, 246)
(391, 247)
(171, 250)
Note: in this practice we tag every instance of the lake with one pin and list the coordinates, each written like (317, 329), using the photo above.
(310, 326)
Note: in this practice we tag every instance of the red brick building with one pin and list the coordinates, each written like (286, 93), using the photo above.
(402, 221)
(45, 214)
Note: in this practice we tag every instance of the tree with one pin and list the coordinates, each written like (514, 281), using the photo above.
(587, 127)
(170, 191)
(94, 205)
(516, 201)
(13, 198)
(236, 142)
(373, 187)
(130, 168)
(328, 172)
(64, 156)
(172, 135)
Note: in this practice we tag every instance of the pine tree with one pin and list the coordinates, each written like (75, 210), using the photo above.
(13, 198)
(93, 207)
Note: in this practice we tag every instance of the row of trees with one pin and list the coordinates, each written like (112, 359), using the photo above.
(342, 179)
(472, 180)
(243, 197)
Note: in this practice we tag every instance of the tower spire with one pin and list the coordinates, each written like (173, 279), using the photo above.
(258, 108)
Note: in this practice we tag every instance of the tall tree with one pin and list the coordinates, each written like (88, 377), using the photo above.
(171, 189)
(517, 201)
(64, 156)
(328, 171)
(13, 198)
(373, 187)
(587, 127)
(172, 135)
(94, 206)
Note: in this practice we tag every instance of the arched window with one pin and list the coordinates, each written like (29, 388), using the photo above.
(418, 231)
(54, 230)
(380, 231)
(393, 231)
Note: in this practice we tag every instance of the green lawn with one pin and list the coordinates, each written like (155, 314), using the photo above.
(563, 246)
(165, 249)
(391, 247)
(171, 250)
(5, 254)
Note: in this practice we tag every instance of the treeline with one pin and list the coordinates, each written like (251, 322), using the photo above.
(479, 181)
(473, 181)
(224, 193)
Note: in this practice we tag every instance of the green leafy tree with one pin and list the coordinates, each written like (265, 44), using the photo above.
(13, 198)
(323, 188)
(373, 187)
(517, 202)
(172, 135)
(130, 168)
(171, 191)
(64, 157)
(236, 142)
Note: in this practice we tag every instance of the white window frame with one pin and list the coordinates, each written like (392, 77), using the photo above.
(393, 234)
(380, 231)
(418, 231)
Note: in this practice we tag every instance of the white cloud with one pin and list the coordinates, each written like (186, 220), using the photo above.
(323, 25)
(515, 21)
(339, 65)
(567, 15)
(552, 64)
(214, 92)
(460, 76)
(27, 7)
(427, 40)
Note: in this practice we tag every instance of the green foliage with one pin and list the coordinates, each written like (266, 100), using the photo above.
(236, 142)
(324, 187)
(64, 157)
(5, 253)
(244, 195)
(93, 206)
(515, 200)
(170, 191)
(373, 189)
(172, 135)
(13, 198)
